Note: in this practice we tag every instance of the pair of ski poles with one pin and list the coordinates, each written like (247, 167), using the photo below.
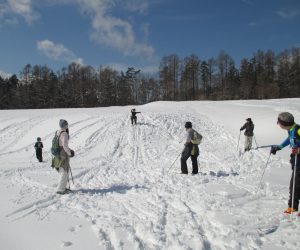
(239, 141)
(294, 174)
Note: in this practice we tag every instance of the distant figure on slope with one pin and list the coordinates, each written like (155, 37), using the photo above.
(39, 149)
(286, 121)
(133, 116)
(191, 149)
(62, 162)
(249, 126)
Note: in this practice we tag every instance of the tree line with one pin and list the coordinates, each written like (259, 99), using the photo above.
(265, 75)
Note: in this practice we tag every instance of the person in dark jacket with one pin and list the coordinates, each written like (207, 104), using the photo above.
(286, 121)
(249, 127)
(190, 150)
(133, 116)
(39, 149)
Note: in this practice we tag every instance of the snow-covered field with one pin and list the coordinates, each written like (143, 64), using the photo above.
(127, 196)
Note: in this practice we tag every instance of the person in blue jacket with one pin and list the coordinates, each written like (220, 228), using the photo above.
(286, 121)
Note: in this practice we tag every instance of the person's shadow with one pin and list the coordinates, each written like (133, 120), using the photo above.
(121, 189)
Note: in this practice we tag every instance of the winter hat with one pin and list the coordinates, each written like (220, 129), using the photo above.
(188, 125)
(63, 124)
(38, 139)
(249, 120)
(286, 119)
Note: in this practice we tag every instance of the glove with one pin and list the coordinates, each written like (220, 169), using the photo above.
(295, 151)
(72, 153)
(274, 149)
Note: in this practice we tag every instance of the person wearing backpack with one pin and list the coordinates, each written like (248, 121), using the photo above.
(286, 121)
(39, 149)
(133, 116)
(62, 163)
(191, 149)
(249, 127)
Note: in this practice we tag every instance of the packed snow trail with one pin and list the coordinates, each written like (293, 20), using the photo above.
(123, 189)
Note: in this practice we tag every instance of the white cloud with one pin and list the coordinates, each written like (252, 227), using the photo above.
(24, 9)
(288, 14)
(11, 8)
(108, 30)
(57, 52)
(113, 31)
(136, 5)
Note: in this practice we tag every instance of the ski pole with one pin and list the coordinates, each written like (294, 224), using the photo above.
(173, 163)
(69, 180)
(255, 141)
(294, 179)
(263, 174)
(265, 146)
(239, 141)
(72, 175)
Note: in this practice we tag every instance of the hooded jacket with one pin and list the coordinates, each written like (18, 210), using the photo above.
(249, 126)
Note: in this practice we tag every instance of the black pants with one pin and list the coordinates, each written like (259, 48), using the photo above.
(39, 155)
(133, 120)
(184, 156)
(297, 183)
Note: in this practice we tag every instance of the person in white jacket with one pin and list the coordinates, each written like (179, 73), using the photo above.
(65, 154)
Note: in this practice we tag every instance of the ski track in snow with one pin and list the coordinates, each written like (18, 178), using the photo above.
(124, 190)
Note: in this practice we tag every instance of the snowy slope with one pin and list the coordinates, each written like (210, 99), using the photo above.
(127, 195)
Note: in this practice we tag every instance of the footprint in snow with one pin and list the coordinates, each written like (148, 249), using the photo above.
(75, 228)
(66, 244)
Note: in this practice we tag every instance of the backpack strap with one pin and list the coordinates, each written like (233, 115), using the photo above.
(296, 136)
(60, 135)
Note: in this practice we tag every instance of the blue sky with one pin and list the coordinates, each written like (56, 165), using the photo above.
(123, 33)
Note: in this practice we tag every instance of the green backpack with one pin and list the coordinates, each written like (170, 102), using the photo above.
(55, 151)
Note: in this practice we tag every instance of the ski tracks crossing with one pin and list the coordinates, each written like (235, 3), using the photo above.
(123, 190)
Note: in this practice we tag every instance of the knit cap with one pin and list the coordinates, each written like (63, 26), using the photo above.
(188, 125)
(63, 124)
(286, 119)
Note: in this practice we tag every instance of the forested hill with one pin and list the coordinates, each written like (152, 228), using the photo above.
(266, 75)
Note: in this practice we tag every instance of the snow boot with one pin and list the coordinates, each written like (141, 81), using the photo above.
(64, 192)
(289, 210)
